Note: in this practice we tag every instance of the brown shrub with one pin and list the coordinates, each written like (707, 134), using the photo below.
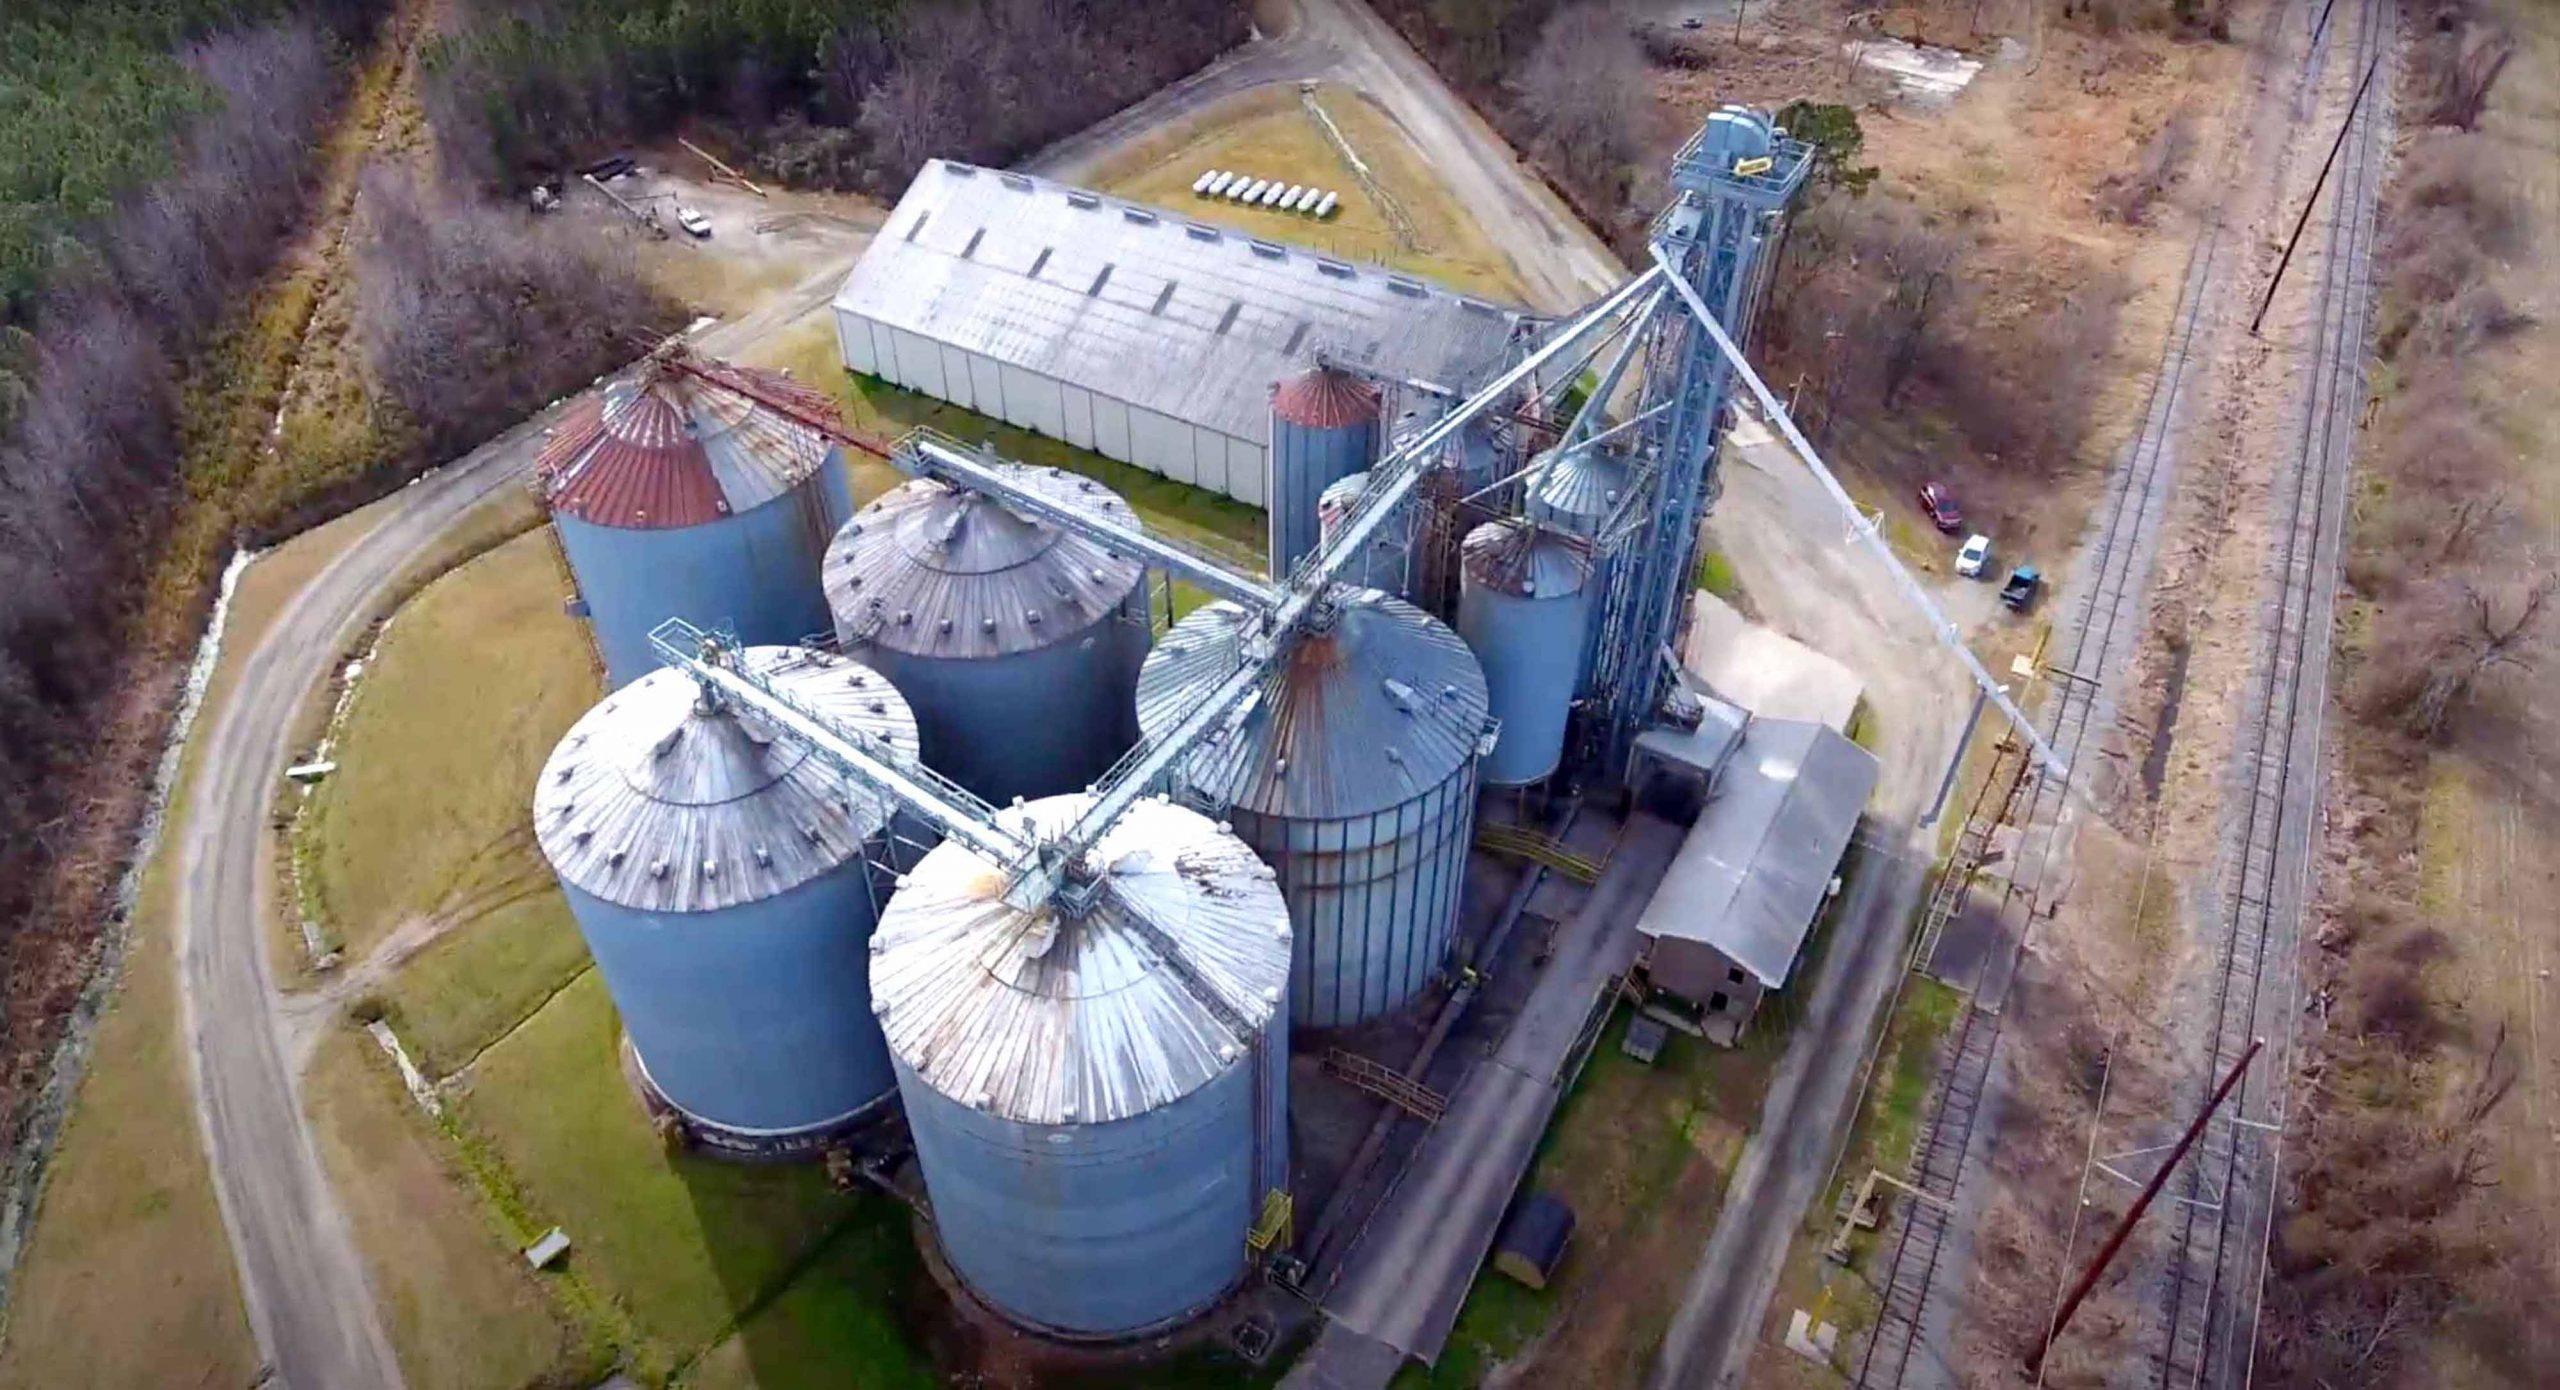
(2128, 196)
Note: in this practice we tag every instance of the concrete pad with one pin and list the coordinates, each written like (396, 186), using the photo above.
(1765, 671)
(1922, 74)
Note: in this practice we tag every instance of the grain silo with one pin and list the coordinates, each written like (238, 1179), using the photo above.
(1017, 642)
(1324, 424)
(679, 493)
(1582, 489)
(1099, 1102)
(1524, 605)
(1386, 562)
(1353, 774)
(718, 875)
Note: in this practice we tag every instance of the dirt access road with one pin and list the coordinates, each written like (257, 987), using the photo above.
(308, 1300)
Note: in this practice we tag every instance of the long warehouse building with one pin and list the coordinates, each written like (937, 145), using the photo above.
(1128, 330)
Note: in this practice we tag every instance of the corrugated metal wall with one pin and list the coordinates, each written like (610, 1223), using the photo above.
(1187, 453)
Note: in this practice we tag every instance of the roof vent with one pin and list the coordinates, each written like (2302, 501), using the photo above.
(1139, 215)
(1478, 305)
(1333, 267)
(1400, 695)
(986, 625)
(966, 171)
(1269, 249)
(1019, 183)
(710, 868)
(764, 857)
(1077, 197)
(1408, 286)
(657, 868)
(614, 860)
(1199, 232)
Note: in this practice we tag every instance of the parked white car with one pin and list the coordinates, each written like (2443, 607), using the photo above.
(1976, 554)
(691, 219)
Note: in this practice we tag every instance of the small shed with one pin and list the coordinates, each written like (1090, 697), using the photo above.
(1742, 895)
(1533, 1239)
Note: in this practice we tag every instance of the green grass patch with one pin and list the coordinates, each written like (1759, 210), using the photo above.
(462, 1309)
(686, 1249)
(465, 991)
(1716, 576)
(474, 682)
(1642, 1155)
(836, 1324)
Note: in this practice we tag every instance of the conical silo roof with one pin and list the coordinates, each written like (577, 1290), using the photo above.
(935, 570)
(1325, 398)
(675, 447)
(1515, 557)
(656, 801)
(1358, 716)
(1581, 489)
(1046, 1019)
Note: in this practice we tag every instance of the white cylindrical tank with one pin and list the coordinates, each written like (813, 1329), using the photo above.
(717, 873)
(1524, 605)
(1099, 1103)
(1017, 642)
(1353, 774)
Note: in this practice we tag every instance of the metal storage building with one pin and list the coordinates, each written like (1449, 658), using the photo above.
(1129, 330)
(718, 875)
(679, 496)
(1099, 1103)
(1018, 642)
(1733, 910)
(1353, 772)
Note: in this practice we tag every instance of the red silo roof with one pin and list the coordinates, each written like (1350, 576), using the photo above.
(1323, 398)
(682, 446)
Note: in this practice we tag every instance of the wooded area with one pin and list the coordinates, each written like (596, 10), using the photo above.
(823, 93)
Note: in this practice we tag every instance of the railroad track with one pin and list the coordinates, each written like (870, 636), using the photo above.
(2103, 634)
(2214, 1270)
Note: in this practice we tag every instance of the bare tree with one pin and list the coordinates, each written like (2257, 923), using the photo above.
(2488, 642)
(2468, 72)
(1579, 89)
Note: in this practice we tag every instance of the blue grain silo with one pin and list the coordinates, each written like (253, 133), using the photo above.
(1324, 424)
(1386, 562)
(1353, 773)
(1017, 642)
(1098, 1126)
(1524, 605)
(679, 493)
(717, 873)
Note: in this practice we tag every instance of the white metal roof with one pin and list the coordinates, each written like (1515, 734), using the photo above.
(1750, 877)
(655, 802)
(1050, 1020)
(1142, 305)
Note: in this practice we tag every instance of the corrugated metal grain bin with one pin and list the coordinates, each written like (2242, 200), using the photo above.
(681, 497)
(1524, 606)
(1353, 774)
(1581, 490)
(1324, 425)
(717, 874)
(1386, 562)
(1099, 1103)
(1017, 642)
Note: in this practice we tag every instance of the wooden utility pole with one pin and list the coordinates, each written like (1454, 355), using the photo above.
(2115, 1240)
(725, 171)
(2308, 203)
